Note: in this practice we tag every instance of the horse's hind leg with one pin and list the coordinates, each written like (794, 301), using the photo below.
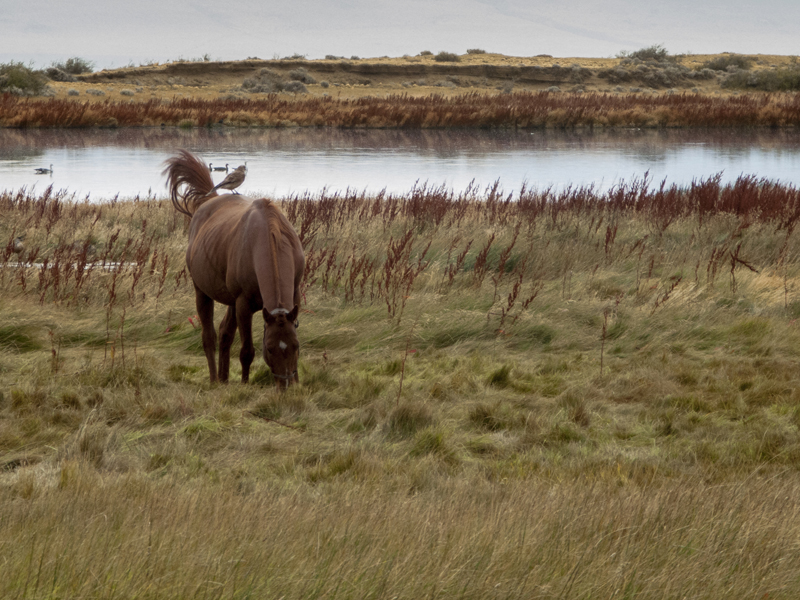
(227, 330)
(245, 317)
(205, 310)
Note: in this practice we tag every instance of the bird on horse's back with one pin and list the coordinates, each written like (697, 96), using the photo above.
(244, 253)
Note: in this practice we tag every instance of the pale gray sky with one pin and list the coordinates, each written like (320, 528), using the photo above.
(114, 34)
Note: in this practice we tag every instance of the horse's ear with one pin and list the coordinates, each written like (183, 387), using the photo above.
(292, 317)
(268, 318)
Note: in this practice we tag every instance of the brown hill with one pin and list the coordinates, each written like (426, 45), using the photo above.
(414, 75)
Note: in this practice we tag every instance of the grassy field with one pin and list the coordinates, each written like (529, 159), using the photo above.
(534, 394)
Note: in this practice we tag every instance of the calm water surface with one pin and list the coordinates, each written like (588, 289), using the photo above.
(104, 163)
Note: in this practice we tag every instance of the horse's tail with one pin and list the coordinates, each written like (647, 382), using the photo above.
(186, 169)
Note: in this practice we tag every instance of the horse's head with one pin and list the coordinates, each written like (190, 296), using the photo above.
(281, 347)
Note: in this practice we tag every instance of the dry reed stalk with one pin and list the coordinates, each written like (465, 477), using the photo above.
(519, 110)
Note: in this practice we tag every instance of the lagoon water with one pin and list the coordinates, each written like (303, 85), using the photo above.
(101, 164)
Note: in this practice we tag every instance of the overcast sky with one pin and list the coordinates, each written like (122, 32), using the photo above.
(115, 34)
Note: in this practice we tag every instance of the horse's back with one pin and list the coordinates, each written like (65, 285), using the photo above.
(227, 236)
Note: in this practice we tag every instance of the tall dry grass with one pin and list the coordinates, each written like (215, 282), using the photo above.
(521, 109)
(155, 539)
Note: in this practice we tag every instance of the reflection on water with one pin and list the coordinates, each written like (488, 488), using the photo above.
(103, 163)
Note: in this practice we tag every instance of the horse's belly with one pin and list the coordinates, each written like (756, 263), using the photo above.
(213, 286)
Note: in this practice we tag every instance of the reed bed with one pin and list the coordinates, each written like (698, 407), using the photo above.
(530, 394)
(521, 109)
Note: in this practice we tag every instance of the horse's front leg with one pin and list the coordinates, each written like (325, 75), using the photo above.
(205, 310)
(227, 331)
(245, 318)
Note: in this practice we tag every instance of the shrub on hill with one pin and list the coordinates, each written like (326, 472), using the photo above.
(56, 74)
(301, 75)
(17, 79)
(446, 57)
(655, 75)
(656, 53)
(74, 66)
(779, 80)
(724, 62)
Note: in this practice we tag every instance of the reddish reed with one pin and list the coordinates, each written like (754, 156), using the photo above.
(515, 241)
(521, 109)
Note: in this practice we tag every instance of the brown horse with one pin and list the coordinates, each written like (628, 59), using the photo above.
(244, 253)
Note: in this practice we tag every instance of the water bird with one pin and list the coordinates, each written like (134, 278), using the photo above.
(225, 168)
(234, 179)
(44, 170)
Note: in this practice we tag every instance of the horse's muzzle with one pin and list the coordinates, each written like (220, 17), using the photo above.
(284, 381)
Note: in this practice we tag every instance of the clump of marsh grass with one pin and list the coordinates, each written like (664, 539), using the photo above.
(407, 418)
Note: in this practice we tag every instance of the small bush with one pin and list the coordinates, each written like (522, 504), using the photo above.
(722, 63)
(426, 53)
(296, 87)
(446, 57)
(301, 75)
(267, 81)
(476, 51)
(779, 80)
(56, 74)
(75, 66)
(656, 52)
(16, 78)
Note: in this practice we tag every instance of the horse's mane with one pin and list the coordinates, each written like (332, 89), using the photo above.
(274, 224)
(186, 169)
